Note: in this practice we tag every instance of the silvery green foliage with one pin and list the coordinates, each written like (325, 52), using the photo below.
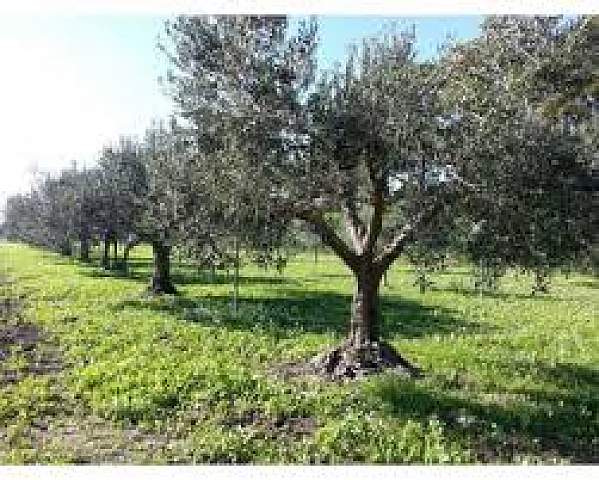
(123, 187)
(520, 165)
(370, 156)
(165, 196)
(325, 151)
(232, 82)
(58, 210)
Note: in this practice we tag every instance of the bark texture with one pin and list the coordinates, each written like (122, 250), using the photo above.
(66, 248)
(362, 353)
(115, 246)
(161, 278)
(364, 323)
(129, 245)
(126, 250)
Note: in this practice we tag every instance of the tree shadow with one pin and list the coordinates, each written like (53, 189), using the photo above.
(145, 263)
(558, 421)
(188, 278)
(97, 272)
(590, 283)
(471, 292)
(308, 311)
(411, 319)
(451, 273)
(568, 376)
(219, 278)
(63, 260)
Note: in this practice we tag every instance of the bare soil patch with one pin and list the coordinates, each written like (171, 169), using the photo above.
(20, 336)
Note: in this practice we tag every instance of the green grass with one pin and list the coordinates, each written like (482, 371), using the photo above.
(508, 377)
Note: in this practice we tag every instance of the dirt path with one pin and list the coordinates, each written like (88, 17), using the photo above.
(71, 433)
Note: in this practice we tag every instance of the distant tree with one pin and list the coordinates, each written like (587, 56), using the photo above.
(161, 203)
(122, 191)
(87, 209)
(18, 222)
(178, 207)
(230, 213)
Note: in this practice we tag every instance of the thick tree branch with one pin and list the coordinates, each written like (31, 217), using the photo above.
(393, 250)
(376, 221)
(329, 237)
(354, 224)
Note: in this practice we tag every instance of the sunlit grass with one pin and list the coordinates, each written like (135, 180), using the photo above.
(509, 377)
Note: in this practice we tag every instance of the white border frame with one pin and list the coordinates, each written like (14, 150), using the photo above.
(329, 7)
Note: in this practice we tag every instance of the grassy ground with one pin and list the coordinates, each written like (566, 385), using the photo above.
(93, 370)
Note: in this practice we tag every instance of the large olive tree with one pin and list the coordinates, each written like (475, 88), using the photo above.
(370, 157)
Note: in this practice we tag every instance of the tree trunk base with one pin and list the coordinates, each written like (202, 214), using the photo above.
(348, 361)
(161, 287)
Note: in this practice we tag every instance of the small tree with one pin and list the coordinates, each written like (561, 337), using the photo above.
(123, 189)
(162, 202)
(426, 254)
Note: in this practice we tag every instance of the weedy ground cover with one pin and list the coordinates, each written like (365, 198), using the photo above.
(92, 369)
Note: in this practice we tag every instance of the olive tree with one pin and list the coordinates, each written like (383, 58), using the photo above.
(370, 157)
(324, 153)
(524, 166)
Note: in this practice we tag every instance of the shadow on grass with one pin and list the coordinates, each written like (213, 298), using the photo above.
(98, 272)
(556, 422)
(590, 283)
(62, 260)
(451, 273)
(307, 311)
(335, 275)
(181, 278)
(192, 278)
(471, 292)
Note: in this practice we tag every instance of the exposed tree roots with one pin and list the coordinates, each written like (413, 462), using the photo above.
(347, 361)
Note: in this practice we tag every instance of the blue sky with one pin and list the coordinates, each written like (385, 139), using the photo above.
(71, 84)
(337, 32)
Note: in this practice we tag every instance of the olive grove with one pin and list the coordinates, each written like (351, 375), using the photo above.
(488, 149)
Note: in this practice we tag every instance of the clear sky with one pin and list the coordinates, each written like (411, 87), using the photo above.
(70, 84)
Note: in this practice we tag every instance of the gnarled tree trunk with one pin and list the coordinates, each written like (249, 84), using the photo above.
(365, 315)
(161, 278)
(126, 249)
(66, 248)
(131, 242)
(363, 352)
